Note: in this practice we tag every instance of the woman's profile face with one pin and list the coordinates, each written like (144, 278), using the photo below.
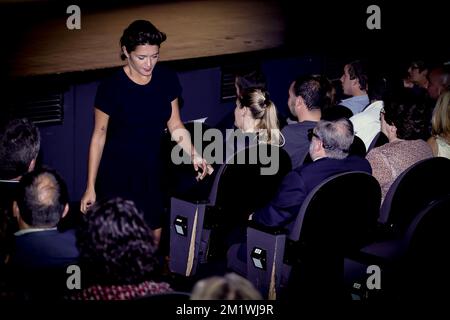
(238, 115)
(143, 59)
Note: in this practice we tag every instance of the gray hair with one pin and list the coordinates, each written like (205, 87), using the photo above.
(336, 136)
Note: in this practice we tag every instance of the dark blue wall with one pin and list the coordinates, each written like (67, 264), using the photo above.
(65, 147)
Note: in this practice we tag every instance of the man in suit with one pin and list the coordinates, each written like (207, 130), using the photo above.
(329, 148)
(41, 201)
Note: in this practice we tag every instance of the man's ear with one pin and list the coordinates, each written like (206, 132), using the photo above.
(299, 101)
(66, 210)
(32, 165)
(16, 211)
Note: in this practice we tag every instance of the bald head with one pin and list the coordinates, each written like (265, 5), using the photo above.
(439, 80)
(42, 198)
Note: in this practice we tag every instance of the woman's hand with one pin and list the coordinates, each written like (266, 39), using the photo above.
(88, 199)
(201, 166)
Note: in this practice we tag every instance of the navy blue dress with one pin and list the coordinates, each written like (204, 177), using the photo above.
(130, 166)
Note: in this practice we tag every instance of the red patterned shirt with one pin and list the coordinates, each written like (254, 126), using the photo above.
(122, 292)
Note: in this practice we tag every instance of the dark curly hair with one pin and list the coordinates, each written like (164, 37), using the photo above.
(116, 245)
(409, 114)
(140, 32)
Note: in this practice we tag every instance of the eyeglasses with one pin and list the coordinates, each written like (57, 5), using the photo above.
(382, 113)
(312, 134)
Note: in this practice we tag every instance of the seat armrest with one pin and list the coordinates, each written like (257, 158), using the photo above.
(266, 229)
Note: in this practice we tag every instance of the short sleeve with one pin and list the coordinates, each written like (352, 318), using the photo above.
(104, 99)
(173, 86)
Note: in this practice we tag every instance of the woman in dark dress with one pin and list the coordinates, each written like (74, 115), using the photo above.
(132, 108)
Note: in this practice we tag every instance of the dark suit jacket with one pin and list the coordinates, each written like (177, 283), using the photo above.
(283, 209)
(45, 249)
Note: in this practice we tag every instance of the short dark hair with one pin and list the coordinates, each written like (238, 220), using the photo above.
(421, 65)
(140, 32)
(313, 90)
(358, 70)
(116, 245)
(19, 145)
(409, 113)
(247, 79)
(41, 197)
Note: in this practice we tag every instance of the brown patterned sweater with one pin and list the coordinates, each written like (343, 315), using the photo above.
(390, 160)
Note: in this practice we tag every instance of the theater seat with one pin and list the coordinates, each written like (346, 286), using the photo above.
(336, 219)
(411, 194)
(199, 230)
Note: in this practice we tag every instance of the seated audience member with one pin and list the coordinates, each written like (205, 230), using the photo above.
(329, 148)
(367, 123)
(256, 115)
(417, 79)
(307, 97)
(228, 287)
(19, 148)
(117, 253)
(354, 84)
(440, 122)
(404, 124)
(41, 201)
(439, 81)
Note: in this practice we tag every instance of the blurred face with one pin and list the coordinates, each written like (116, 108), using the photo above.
(292, 99)
(143, 59)
(415, 75)
(435, 86)
(347, 83)
(238, 115)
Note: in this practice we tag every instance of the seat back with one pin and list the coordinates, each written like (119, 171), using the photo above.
(245, 183)
(250, 179)
(337, 218)
(180, 181)
(199, 230)
(379, 139)
(358, 148)
(427, 241)
(413, 190)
